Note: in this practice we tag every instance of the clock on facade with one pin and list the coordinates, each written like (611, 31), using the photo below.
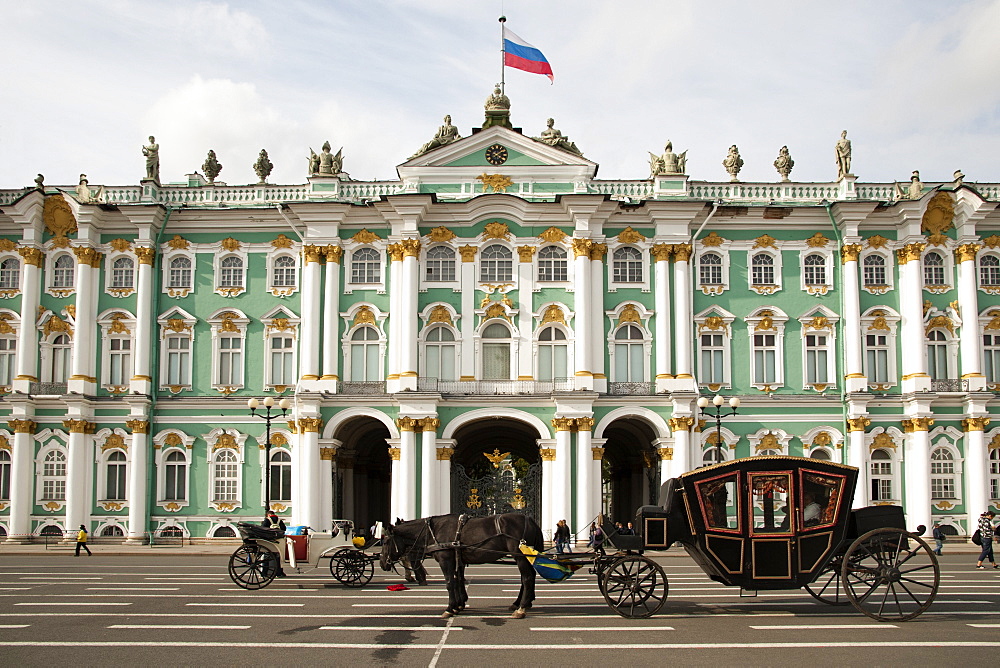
(496, 154)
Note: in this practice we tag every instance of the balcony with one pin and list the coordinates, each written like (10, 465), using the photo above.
(950, 385)
(495, 387)
(38, 389)
(362, 388)
(632, 388)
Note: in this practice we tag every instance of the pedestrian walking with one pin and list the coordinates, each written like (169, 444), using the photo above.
(596, 540)
(986, 539)
(939, 538)
(81, 541)
(562, 536)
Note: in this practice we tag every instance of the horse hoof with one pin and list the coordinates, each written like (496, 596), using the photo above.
(512, 607)
(447, 615)
(520, 613)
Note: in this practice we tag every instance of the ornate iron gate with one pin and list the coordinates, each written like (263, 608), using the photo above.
(501, 490)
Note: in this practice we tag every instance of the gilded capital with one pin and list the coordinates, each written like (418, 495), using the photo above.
(910, 252)
(967, 252)
(680, 423)
(526, 253)
(395, 252)
(407, 423)
(444, 454)
(32, 256)
(581, 247)
(333, 253)
(430, 424)
(548, 454)
(468, 253)
(850, 253)
(293, 426)
(597, 454)
(858, 423)
(682, 252)
(394, 454)
(662, 252)
(975, 424)
(585, 424)
(22, 426)
(411, 247)
(312, 253)
(138, 426)
(307, 425)
(88, 256)
(666, 454)
(563, 424)
(917, 424)
(327, 454)
(145, 254)
(79, 426)
(598, 251)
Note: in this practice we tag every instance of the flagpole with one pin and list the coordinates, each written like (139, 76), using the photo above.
(503, 53)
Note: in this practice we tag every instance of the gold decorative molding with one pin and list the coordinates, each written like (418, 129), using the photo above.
(917, 424)
(768, 442)
(278, 440)
(630, 236)
(877, 241)
(817, 241)
(174, 440)
(114, 441)
(712, 240)
(120, 245)
(584, 424)
(942, 321)
(364, 316)
(713, 322)
(850, 253)
(975, 424)
(145, 254)
(327, 454)
(548, 454)
(441, 234)
(444, 454)
(394, 454)
(76, 426)
(138, 426)
(581, 247)
(682, 252)
(410, 247)
(365, 236)
(526, 253)
(766, 324)
(6, 245)
(395, 252)
(429, 424)
(629, 313)
(311, 253)
(179, 243)
(563, 424)
(21, 426)
(406, 424)
(823, 438)
(5, 327)
(680, 423)
(333, 253)
(662, 252)
(992, 241)
(764, 241)
(440, 313)
(967, 252)
(310, 425)
(112, 505)
(468, 253)
(598, 251)
(498, 182)
(597, 454)
(281, 241)
(225, 442)
(553, 313)
(818, 322)
(666, 454)
(32, 256)
(58, 217)
(496, 310)
(858, 423)
(177, 325)
(911, 252)
(230, 244)
(938, 217)
(883, 440)
(553, 235)
(88, 256)
(496, 230)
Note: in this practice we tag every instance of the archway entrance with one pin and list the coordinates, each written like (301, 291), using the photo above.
(496, 468)
(630, 470)
(363, 477)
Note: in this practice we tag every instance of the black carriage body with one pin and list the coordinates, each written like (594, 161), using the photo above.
(760, 522)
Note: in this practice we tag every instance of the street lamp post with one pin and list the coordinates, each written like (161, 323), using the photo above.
(269, 415)
(716, 412)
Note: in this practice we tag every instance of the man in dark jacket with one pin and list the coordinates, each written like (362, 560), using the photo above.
(272, 521)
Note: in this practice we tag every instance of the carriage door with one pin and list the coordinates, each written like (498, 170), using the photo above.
(817, 513)
(771, 553)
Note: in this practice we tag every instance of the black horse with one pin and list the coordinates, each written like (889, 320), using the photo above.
(455, 541)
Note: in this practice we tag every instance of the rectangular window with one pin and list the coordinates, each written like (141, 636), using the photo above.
(991, 358)
(816, 359)
(937, 361)
(54, 490)
(552, 269)
(5, 479)
(881, 489)
(765, 356)
(120, 372)
(877, 358)
(281, 360)
(230, 360)
(175, 483)
(440, 269)
(712, 371)
(8, 350)
(943, 488)
(180, 274)
(496, 361)
(178, 360)
(116, 482)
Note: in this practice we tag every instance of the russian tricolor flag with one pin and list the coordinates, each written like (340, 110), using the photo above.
(522, 56)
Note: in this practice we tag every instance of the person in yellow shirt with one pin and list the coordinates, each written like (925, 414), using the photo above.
(81, 541)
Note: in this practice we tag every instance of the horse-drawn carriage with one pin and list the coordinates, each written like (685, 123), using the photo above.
(256, 563)
(760, 523)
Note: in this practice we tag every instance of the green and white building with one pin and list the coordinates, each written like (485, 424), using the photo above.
(497, 298)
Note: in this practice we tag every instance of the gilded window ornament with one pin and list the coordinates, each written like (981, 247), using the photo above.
(114, 441)
(713, 322)
(630, 236)
(882, 440)
(766, 324)
(712, 240)
(768, 442)
(440, 234)
(279, 439)
(230, 244)
(440, 314)
(994, 323)
(553, 235)
(992, 241)
(819, 322)
(822, 439)
(281, 241)
(177, 325)
(225, 442)
(498, 182)
(279, 325)
(496, 310)
(764, 241)
(5, 327)
(57, 324)
(227, 324)
(6, 245)
(179, 243)
(365, 236)
(117, 326)
(940, 321)
(817, 241)
(58, 218)
(553, 313)
(629, 314)
(120, 245)
(496, 230)
(364, 316)
(994, 443)
(173, 439)
(877, 241)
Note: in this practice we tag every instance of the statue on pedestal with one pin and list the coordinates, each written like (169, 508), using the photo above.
(554, 137)
(40, 182)
(497, 100)
(914, 191)
(446, 134)
(329, 164)
(263, 166)
(86, 195)
(668, 163)
(733, 163)
(784, 163)
(152, 153)
(211, 166)
(843, 150)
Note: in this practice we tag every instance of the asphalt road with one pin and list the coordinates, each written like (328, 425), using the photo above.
(184, 610)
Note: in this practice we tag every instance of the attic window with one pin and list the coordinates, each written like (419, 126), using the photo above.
(776, 212)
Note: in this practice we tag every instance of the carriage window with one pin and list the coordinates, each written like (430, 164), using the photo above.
(770, 502)
(718, 502)
(820, 498)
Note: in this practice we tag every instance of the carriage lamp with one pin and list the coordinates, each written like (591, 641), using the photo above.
(269, 414)
(715, 412)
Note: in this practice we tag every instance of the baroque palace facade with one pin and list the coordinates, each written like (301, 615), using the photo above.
(495, 329)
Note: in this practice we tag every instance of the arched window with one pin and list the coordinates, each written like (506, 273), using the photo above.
(626, 265)
(231, 275)
(937, 355)
(933, 268)
(5, 464)
(710, 269)
(439, 353)
(112, 531)
(54, 476)
(63, 272)
(881, 468)
(942, 474)
(814, 269)
(821, 454)
(874, 271)
(365, 358)
(281, 476)
(123, 273)
(116, 477)
(989, 270)
(496, 352)
(552, 354)
(713, 455)
(175, 476)
(284, 271)
(225, 476)
(180, 273)
(172, 532)
(552, 264)
(762, 269)
(366, 266)
(8, 358)
(630, 358)
(10, 274)
(496, 264)
(50, 530)
(224, 532)
(440, 264)
(57, 371)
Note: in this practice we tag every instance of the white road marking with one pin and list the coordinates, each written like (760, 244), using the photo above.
(441, 643)
(504, 647)
(60, 577)
(175, 626)
(132, 588)
(87, 604)
(984, 626)
(583, 629)
(795, 627)
(252, 605)
(14, 626)
(389, 628)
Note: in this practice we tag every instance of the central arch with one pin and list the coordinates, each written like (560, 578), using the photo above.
(363, 476)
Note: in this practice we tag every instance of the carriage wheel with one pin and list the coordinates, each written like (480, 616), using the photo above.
(891, 575)
(601, 564)
(251, 567)
(352, 568)
(828, 586)
(634, 586)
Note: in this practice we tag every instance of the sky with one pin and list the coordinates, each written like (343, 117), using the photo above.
(915, 82)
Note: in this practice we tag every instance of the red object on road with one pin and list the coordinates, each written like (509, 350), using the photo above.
(397, 587)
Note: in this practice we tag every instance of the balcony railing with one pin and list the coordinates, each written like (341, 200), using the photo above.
(47, 388)
(950, 385)
(495, 387)
(639, 388)
(364, 388)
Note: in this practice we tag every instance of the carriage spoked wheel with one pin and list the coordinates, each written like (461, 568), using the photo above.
(828, 586)
(251, 567)
(352, 568)
(634, 586)
(890, 575)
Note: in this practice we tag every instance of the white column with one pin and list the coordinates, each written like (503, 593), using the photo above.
(582, 327)
(524, 364)
(325, 513)
(598, 321)
(596, 473)
(82, 379)
(311, 495)
(27, 336)
(911, 310)
(661, 321)
(468, 322)
(138, 475)
(395, 319)
(853, 367)
(430, 488)
(445, 449)
(331, 314)
(857, 456)
(588, 480)
(977, 467)
(409, 368)
(970, 339)
(683, 347)
(562, 489)
(22, 479)
(550, 507)
(680, 461)
(402, 501)
(345, 468)
(142, 379)
(78, 498)
(917, 470)
(309, 364)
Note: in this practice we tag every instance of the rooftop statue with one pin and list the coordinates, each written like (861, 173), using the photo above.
(497, 100)
(330, 164)
(668, 163)
(733, 163)
(784, 163)
(211, 166)
(959, 177)
(85, 194)
(914, 191)
(843, 149)
(554, 137)
(40, 182)
(446, 134)
(263, 166)
(152, 153)
(313, 162)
